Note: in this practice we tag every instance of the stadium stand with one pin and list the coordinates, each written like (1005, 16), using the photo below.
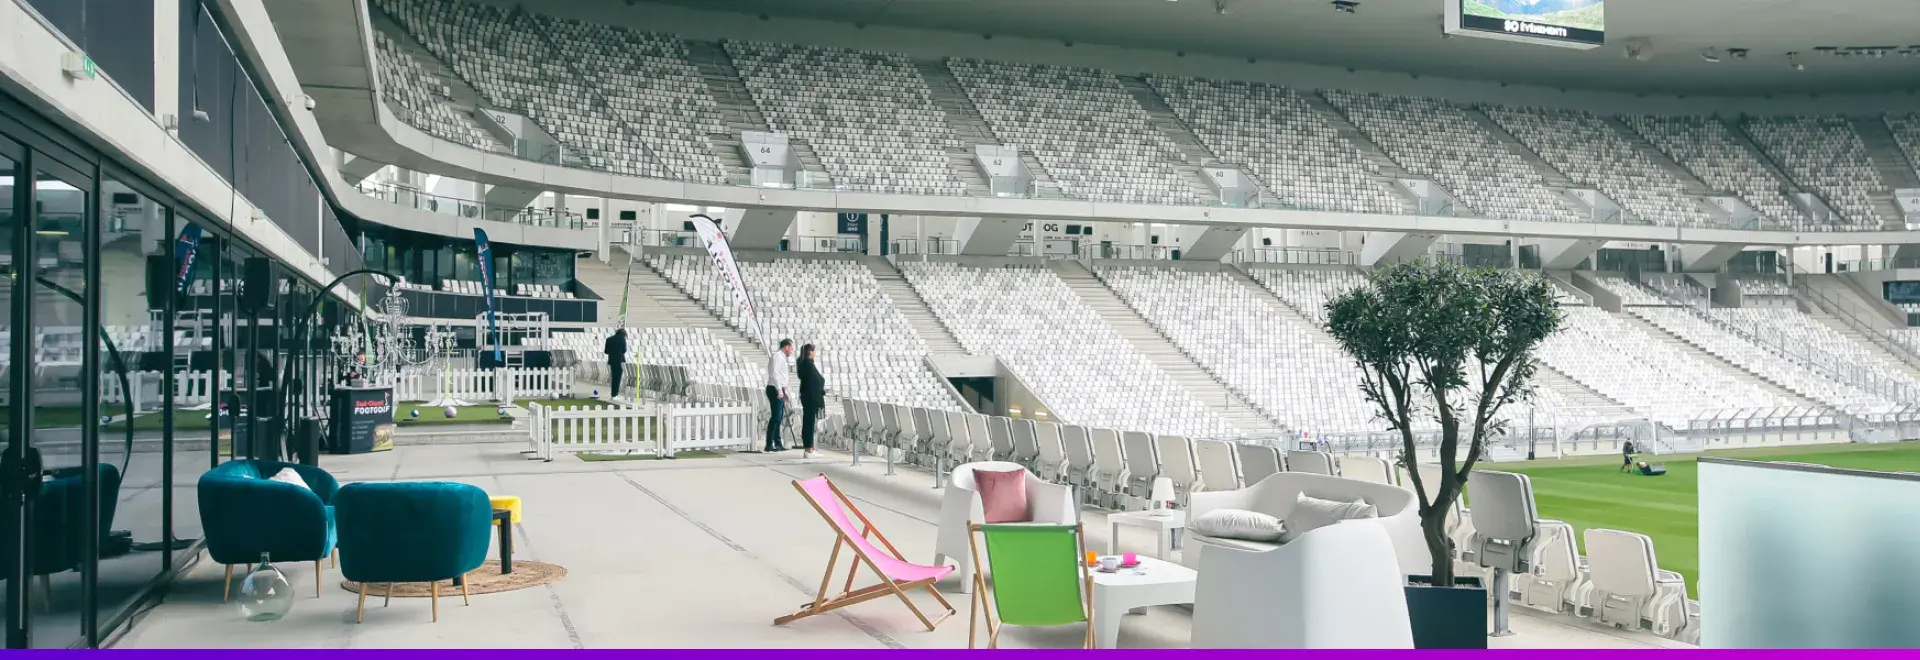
(707, 357)
(1825, 154)
(1435, 139)
(868, 114)
(1029, 319)
(513, 68)
(1281, 138)
(868, 350)
(1275, 359)
(421, 98)
(1706, 148)
(1089, 133)
(1588, 150)
(1906, 132)
(647, 87)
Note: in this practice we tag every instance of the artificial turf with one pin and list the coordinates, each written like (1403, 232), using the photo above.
(1592, 492)
(487, 413)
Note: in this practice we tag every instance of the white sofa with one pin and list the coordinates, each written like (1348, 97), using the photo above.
(1398, 510)
(1338, 586)
(960, 506)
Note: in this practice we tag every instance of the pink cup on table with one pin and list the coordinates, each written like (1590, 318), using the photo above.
(1128, 559)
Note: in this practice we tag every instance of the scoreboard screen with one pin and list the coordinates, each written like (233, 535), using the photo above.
(1564, 23)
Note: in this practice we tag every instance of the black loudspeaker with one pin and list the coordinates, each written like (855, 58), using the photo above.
(1266, 242)
(159, 282)
(256, 284)
(1653, 469)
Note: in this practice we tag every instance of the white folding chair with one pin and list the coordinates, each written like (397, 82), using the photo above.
(1312, 462)
(1178, 466)
(1257, 462)
(1079, 451)
(1052, 462)
(1219, 465)
(1143, 466)
(1109, 467)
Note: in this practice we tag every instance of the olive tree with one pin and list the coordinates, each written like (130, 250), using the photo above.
(1442, 343)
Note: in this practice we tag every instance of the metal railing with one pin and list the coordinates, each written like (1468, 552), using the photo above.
(1838, 368)
(1850, 314)
(467, 208)
(1296, 255)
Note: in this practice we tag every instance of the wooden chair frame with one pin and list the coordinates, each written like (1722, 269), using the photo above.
(979, 604)
(823, 603)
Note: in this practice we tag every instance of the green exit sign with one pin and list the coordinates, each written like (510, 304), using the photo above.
(78, 66)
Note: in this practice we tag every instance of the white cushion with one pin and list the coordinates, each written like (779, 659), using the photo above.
(1239, 524)
(289, 476)
(1311, 513)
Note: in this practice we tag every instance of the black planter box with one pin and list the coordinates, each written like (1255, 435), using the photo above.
(1447, 617)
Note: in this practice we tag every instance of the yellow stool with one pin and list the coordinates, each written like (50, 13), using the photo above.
(510, 503)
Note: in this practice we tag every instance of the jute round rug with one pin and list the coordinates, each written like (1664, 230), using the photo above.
(483, 580)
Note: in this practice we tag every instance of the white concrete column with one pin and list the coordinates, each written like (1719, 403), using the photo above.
(605, 233)
(166, 59)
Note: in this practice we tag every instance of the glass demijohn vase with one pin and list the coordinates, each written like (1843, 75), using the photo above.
(265, 595)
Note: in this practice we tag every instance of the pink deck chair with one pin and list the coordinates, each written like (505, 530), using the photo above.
(897, 575)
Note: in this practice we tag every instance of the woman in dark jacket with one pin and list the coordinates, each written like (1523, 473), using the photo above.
(813, 396)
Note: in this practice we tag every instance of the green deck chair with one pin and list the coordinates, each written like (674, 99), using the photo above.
(1040, 578)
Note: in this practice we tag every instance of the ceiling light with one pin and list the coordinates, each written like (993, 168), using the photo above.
(1737, 53)
(1793, 60)
(1710, 55)
(1346, 6)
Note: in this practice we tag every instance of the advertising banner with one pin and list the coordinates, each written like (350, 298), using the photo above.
(486, 282)
(722, 256)
(362, 420)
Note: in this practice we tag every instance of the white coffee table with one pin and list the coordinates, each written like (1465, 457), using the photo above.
(1163, 527)
(1153, 582)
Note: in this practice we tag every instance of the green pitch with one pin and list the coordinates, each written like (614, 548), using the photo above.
(1591, 492)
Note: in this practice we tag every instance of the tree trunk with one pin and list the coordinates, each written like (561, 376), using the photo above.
(1434, 527)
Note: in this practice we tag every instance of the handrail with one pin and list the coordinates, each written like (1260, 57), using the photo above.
(1813, 358)
(1840, 311)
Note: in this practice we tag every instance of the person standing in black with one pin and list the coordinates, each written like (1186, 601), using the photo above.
(616, 359)
(1626, 456)
(813, 397)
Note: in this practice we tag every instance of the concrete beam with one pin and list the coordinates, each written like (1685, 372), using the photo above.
(1705, 258)
(1567, 253)
(510, 197)
(761, 229)
(356, 169)
(988, 237)
(1385, 247)
(1207, 243)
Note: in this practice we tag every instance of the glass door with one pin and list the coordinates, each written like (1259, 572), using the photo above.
(19, 464)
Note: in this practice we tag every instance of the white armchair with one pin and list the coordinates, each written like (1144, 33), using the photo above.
(1398, 510)
(1338, 586)
(960, 506)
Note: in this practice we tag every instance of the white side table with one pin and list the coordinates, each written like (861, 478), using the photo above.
(1153, 582)
(1163, 523)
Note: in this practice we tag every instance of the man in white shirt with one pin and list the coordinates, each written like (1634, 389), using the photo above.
(777, 393)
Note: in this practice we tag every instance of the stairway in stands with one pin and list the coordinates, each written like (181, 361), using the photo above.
(1712, 360)
(1896, 172)
(1386, 170)
(1159, 350)
(1194, 152)
(656, 302)
(971, 129)
(894, 286)
(1550, 178)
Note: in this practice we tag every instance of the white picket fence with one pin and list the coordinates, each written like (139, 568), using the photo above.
(658, 429)
(190, 388)
(481, 385)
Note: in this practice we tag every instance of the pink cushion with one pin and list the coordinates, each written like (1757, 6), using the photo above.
(1003, 495)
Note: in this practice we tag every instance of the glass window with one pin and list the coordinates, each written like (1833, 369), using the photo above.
(193, 366)
(133, 361)
(62, 523)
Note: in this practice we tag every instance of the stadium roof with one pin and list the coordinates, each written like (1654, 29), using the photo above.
(1405, 35)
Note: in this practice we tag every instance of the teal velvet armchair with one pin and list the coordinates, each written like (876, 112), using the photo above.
(245, 513)
(421, 531)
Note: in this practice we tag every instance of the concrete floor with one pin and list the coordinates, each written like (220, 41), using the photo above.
(671, 554)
